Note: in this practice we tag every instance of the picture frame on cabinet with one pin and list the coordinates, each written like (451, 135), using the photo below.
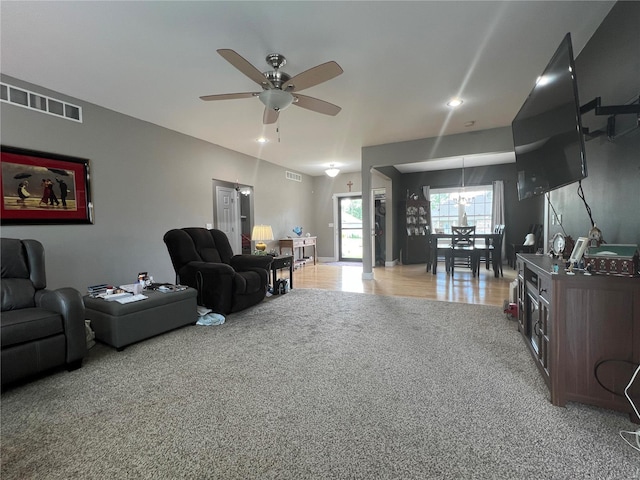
(578, 250)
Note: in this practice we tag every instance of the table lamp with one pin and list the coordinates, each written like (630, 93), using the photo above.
(261, 233)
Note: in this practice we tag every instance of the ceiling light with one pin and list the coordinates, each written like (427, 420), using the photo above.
(454, 102)
(332, 171)
(262, 140)
(275, 99)
(470, 124)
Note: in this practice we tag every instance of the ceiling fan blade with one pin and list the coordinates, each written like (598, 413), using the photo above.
(245, 67)
(316, 105)
(228, 96)
(313, 76)
(270, 116)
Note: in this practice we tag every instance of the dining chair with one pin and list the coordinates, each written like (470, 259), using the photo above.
(495, 253)
(537, 230)
(489, 250)
(439, 249)
(462, 252)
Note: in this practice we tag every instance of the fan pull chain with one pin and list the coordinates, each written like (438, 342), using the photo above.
(278, 128)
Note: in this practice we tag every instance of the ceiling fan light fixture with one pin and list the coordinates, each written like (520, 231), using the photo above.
(275, 99)
(332, 171)
(278, 86)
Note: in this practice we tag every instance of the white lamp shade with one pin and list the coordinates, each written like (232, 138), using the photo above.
(259, 234)
(275, 99)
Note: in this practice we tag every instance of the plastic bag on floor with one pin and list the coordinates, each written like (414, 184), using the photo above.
(210, 319)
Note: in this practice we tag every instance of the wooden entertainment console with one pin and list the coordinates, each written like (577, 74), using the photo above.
(582, 330)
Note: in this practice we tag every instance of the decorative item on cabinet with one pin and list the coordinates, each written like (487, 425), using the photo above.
(611, 259)
(595, 237)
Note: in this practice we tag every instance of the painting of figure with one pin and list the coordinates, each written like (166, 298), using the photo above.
(43, 188)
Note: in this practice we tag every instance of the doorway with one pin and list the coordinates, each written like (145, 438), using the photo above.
(379, 227)
(350, 228)
(233, 213)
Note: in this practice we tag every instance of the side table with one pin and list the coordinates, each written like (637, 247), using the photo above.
(282, 261)
(301, 243)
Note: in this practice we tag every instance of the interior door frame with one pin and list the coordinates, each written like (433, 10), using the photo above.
(233, 230)
(244, 220)
(383, 192)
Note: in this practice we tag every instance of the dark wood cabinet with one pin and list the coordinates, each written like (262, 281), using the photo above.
(582, 330)
(416, 230)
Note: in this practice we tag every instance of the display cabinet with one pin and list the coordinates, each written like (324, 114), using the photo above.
(416, 215)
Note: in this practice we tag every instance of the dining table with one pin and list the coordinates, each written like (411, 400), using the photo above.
(491, 244)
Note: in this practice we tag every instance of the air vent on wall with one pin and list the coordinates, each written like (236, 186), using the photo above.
(296, 177)
(35, 101)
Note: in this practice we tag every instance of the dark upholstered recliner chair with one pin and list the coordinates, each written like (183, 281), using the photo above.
(41, 329)
(226, 283)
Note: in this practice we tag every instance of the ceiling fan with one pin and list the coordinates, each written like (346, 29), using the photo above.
(279, 90)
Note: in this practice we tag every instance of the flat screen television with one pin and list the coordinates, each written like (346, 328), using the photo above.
(547, 131)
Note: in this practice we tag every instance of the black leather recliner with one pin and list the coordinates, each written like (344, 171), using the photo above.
(41, 329)
(226, 283)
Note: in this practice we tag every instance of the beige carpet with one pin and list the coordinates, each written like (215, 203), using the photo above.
(314, 385)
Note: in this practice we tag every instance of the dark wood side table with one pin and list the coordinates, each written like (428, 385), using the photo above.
(280, 262)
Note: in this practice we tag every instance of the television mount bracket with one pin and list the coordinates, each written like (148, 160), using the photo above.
(612, 111)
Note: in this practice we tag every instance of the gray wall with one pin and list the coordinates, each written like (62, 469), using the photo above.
(482, 141)
(608, 67)
(145, 180)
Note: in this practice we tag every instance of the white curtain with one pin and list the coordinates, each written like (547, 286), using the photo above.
(426, 193)
(497, 209)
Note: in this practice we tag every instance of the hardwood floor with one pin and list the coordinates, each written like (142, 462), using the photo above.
(409, 281)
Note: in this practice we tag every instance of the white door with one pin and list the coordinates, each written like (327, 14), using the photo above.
(228, 216)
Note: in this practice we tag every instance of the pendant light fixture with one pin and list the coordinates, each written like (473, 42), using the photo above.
(332, 171)
(462, 199)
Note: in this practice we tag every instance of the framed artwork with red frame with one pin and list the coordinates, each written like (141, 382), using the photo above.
(40, 188)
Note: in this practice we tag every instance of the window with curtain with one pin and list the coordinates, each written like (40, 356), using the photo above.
(454, 206)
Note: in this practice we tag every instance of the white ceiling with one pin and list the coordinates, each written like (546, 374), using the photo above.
(402, 61)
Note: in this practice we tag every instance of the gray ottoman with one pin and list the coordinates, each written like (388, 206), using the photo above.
(120, 325)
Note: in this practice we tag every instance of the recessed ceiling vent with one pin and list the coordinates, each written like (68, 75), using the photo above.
(35, 101)
(296, 177)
